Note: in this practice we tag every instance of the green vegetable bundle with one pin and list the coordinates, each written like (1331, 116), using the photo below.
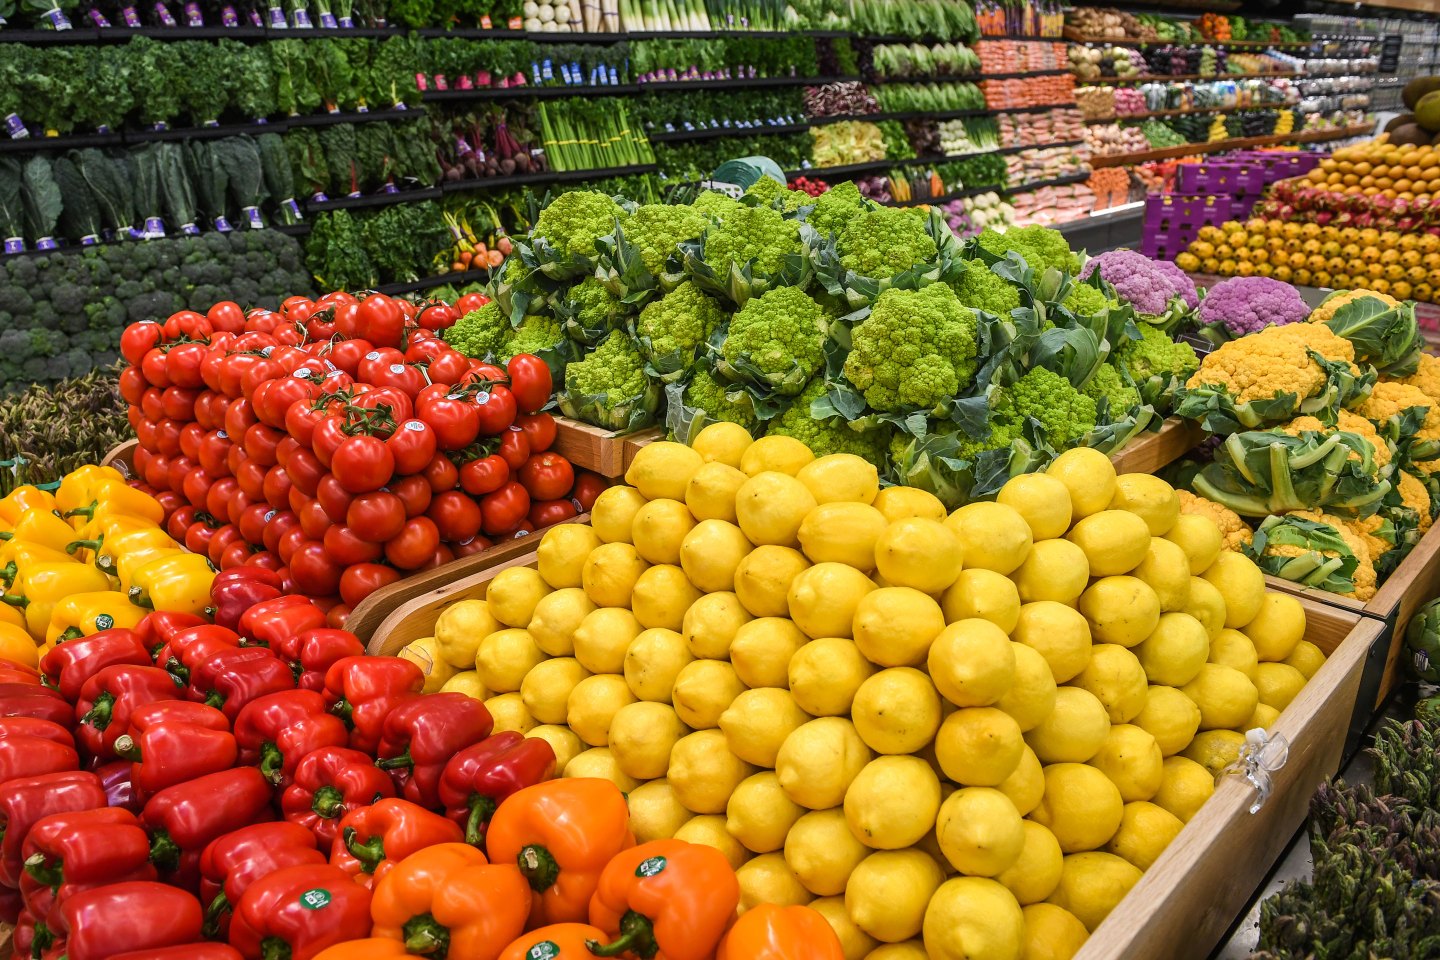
(1258, 473)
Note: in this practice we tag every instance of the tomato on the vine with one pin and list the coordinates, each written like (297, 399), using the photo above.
(363, 579)
(503, 510)
(453, 417)
(137, 340)
(281, 523)
(182, 364)
(414, 492)
(484, 475)
(333, 496)
(414, 545)
(297, 308)
(547, 476)
(226, 316)
(497, 410)
(456, 516)
(530, 381)
(362, 463)
(380, 320)
(346, 547)
(378, 516)
(588, 486)
(545, 513)
(413, 446)
(437, 315)
(470, 302)
(441, 474)
(314, 571)
(347, 354)
(539, 429)
(514, 447)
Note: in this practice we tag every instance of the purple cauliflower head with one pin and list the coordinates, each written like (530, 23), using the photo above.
(1249, 304)
(1147, 285)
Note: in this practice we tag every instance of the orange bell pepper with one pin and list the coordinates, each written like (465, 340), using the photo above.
(560, 941)
(769, 932)
(449, 901)
(668, 897)
(371, 948)
(371, 840)
(561, 833)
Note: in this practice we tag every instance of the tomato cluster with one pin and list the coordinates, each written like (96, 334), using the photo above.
(341, 441)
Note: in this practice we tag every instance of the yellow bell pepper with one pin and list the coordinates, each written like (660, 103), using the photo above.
(44, 585)
(12, 617)
(179, 583)
(17, 645)
(82, 614)
(42, 527)
(23, 498)
(77, 488)
(119, 537)
(117, 498)
(128, 563)
(17, 555)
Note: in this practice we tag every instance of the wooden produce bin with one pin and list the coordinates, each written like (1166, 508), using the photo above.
(1151, 451)
(122, 457)
(606, 452)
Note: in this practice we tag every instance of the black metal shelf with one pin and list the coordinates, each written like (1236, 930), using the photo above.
(548, 176)
(373, 200)
(511, 93)
(429, 283)
(77, 142)
(972, 77)
(746, 83)
(710, 133)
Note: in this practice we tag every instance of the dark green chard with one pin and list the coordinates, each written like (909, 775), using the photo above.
(339, 143)
(52, 14)
(111, 187)
(295, 92)
(307, 162)
(211, 181)
(335, 252)
(40, 198)
(279, 178)
(393, 69)
(329, 70)
(79, 214)
(358, 54)
(415, 159)
(375, 156)
(11, 207)
(240, 156)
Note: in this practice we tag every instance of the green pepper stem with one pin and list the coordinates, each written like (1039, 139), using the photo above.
(75, 545)
(101, 712)
(482, 808)
(637, 936)
(396, 763)
(539, 867)
(140, 598)
(272, 762)
(127, 749)
(217, 909)
(15, 601)
(345, 711)
(70, 633)
(45, 872)
(164, 852)
(426, 936)
(328, 803)
(42, 940)
(87, 512)
(369, 853)
(215, 699)
(274, 948)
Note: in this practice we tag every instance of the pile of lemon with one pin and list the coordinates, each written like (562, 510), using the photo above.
(958, 736)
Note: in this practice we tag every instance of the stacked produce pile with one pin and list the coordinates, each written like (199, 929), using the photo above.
(47, 431)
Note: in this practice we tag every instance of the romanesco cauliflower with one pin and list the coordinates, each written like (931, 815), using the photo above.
(768, 190)
(982, 289)
(610, 388)
(575, 220)
(1086, 301)
(830, 435)
(669, 330)
(707, 394)
(535, 334)
(655, 230)
(1041, 247)
(1064, 413)
(1155, 355)
(776, 340)
(593, 309)
(753, 233)
(1107, 382)
(1235, 534)
(883, 242)
(835, 207)
(713, 203)
(916, 349)
(480, 333)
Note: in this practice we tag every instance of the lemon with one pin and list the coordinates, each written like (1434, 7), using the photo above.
(592, 706)
(563, 741)
(918, 553)
(759, 815)
(1053, 570)
(776, 454)
(1264, 717)
(1052, 933)
(652, 662)
(980, 831)
(513, 593)
(1225, 696)
(662, 596)
(1089, 476)
(993, 536)
(1116, 678)
(1132, 760)
(612, 515)
(1167, 572)
(1277, 627)
(710, 494)
(891, 804)
(467, 682)
(1081, 806)
(710, 831)
(599, 764)
(641, 736)
(603, 637)
(1233, 649)
(757, 722)
(1170, 717)
(504, 658)
(704, 772)
(842, 533)
(610, 573)
(1183, 788)
(888, 892)
(655, 813)
(710, 554)
(896, 711)
(909, 950)
(461, 626)
(855, 944)
(546, 688)
(770, 508)
(1075, 730)
(825, 674)
(976, 919)
(1036, 873)
(1242, 585)
(662, 469)
(823, 851)
(762, 649)
(979, 746)
(1148, 497)
(1091, 884)
(1042, 500)
(972, 663)
(769, 879)
(1199, 538)
(703, 690)
(509, 713)
(763, 578)
(1114, 541)
(1215, 749)
(984, 594)
(1174, 653)
(564, 547)
(722, 442)
(897, 503)
(1123, 610)
(1145, 831)
(1206, 605)
(817, 762)
(1031, 696)
(711, 623)
(840, 477)
(1307, 658)
(894, 626)
(1278, 683)
(557, 616)
(1026, 785)
(823, 599)
(659, 528)
(1059, 633)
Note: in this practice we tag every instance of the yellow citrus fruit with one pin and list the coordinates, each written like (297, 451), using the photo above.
(564, 547)
(993, 536)
(610, 573)
(710, 554)
(1042, 500)
(1131, 759)
(1170, 717)
(771, 506)
(509, 713)
(984, 594)
(1277, 627)
(658, 530)
(703, 771)
(972, 663)
(592, 706)
(892, 802)
(1214, 749)
(557, 616)
(768, 879)
(1175, 650)
(763, 578)
(894, 626)
(758, 813)
(1114, 541)
(980, 831)
(1225, 696)
(1242, 585)
(979, 746)
(1059, 633)
(513, 594)
(641, 737)
(710, 831)
(896, 711)
(1032, 693)
(818, 761)
(918, 553)
(1075, 730)
(1148, 497)
(1184, 787)
(775, 453)
(460, 628)
(1081, 806)
(1119, 609)
(897, 503)
(1026, 785)
(603, 637)
(546, 688)
(1263, 718)
(823, 851)
(1091, 884)
(1145, 831)
(1089, 476)
(503, 659)
(1034, 876)
(757, 722)
(1053, 570)
(710, 494)
(662, 469)
(1052, 933)
(974, 917)
(1278, 683)
(662, 595)
(722, 442)
(842, 533)
(854, 942)
(652, 662)
(655, 813)
(762, 648)
(888, 892)
(1199, 537)
(1233, 649)
(1307, 658)
(1167, 571)
(823, 599)
(599, 763)
(613, 513)
(840, 477)
(1206, 605)
(825, 675)
(702, 692)
(1116, 678)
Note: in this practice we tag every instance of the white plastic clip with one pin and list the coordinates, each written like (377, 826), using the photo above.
(1261, 755)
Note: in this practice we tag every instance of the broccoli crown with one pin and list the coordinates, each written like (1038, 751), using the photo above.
(1041, 247)
(916, 349)
(535, 333)
(980, 288)
(679, 321)
(480, 333)
(767, 190)
(829, 435)
(778, 332)
(595, 306)
(1064, 413)
(1155, 354)
(614, 370)
(1086, 301)
(753, 233)
(1107, 382)
(835, 207)
(884, 242)
(575, 220)
(656, 229)
(713, 203)
(707, 394)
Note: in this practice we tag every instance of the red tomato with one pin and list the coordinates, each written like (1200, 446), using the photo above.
(154, 367)
(413, 446)
(313, 518)
(547, 476)
(588, 486)
(544, 513)
(440, 557)
(504, 509)
(345, 548)
(180, 467)
(453, 417)
(285, 448)
(300, 420)
(469, 302)
(182, 364)
(292, 541)
(220, 498)
(190, 436)
(363, 579)
(456, 516)
(297, 308)
(257, 373)
(239, 417)
(442, 474)
(178, 403)
(437, 315)
(252, 521)
(314, 571)
(332, 496)
(305, 471)
(484, 475)
(347, 354)
(260, 442)
(402, 376)
(474, 545)
(198, 536)
(448, 367)
(251, 477)
(329, 434)
(214, 453)
(363, 463)
(377, 517)
(224, 537)
(497, 411)
(425, 349)
(276, 527)
(539, 430)
(380, 320)
(277, 488)
(335, 297)
(226, 316)
(530, 381)
(167, 437)
(236, 554)
(273, 398)
(415, 545)
(514, 447)
(414, 492)
(180, 522)
(187, 323)
(152, 403)
(132, 385)
(137, 340)
(392, 401)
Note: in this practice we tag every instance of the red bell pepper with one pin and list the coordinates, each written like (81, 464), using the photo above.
(236, 590)
(185, 951)
(298, 912)
(31, 727)
(329, 783)
(24, 802)
(233, 678)
(22, 757)
(119, 789)
(159, 628)
(420, 736)
(22, 939)
(70, 664)
(12, 672)
(363, 690)
(173, 751)
(372, 839)
(40, 703)
(233, 862)
(188, 816)
(316, 651)
(86, 846)
(279, 730)
(11, 906)
(477, 778)
(41, 901)
(271, 622)
(109, 697)
(100, 923)
(190, 648)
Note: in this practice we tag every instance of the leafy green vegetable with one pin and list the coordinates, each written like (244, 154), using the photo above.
(279, 178)
(79, 215)
(41, 199)
(211, 181)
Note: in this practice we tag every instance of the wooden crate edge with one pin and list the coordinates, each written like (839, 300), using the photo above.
(122, 456)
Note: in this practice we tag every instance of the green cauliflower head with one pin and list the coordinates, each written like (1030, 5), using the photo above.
(883, 242)
(916, 349)
(1086, 301)
(707, 395)
(655, 230)
(835, 207)
(767, 190)
(677, 324)
(1064, 413)
(575, 220)
(536, 333)
(594, 308)
(713, 203)
(753, 233)
(1041, 247)
(982, 289)
(1156, 355)
(830, 435)
(1107, 382)
(480, 333)
(781, 336)
(614, 372)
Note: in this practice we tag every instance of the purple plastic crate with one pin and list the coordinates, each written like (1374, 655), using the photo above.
(1173, 220)
(1220, 177)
